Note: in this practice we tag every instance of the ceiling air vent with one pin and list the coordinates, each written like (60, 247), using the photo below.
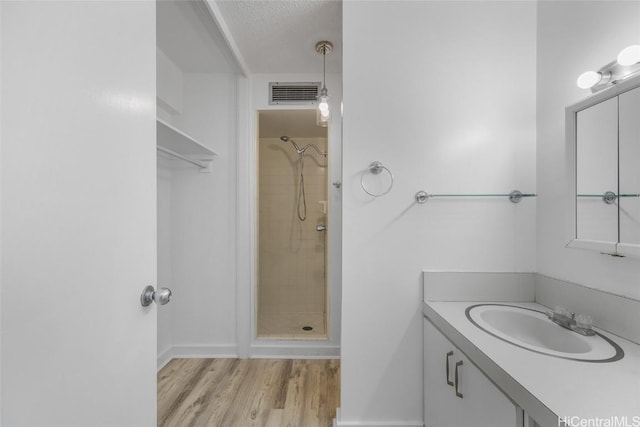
(293, 93)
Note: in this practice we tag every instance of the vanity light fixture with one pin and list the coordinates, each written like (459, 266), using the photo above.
(589, 79)
(626, 65)
(322, 113)
(630, 55)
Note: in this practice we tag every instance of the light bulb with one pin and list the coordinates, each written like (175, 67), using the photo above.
(630, 55)
(589, 79)
(323, 102)
(322, 115)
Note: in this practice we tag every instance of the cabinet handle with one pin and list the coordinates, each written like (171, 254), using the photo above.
(449, 354)
(458, 364)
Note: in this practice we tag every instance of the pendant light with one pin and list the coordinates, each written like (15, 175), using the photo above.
(322, 113)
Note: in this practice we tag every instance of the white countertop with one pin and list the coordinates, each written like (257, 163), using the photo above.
(547, 387)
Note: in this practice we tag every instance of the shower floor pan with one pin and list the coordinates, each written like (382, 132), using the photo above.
(289, 326)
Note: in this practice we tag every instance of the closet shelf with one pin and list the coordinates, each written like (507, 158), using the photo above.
(173, 139)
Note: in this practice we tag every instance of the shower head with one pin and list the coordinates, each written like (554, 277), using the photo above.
(285, 138)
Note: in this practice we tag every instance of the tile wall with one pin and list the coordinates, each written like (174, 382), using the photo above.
(291, 258)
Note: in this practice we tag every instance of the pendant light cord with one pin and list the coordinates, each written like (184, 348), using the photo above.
(324, 68)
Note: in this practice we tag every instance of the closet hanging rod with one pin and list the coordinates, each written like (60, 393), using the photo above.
(514, 197)
(181, 157)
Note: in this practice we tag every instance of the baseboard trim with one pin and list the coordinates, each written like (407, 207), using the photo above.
(378, 424)
(197, 351)
(381, 424)
(258, 351)
(338, 423)
(293, 351)
(164, 358)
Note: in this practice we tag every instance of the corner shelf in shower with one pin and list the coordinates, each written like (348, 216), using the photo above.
(174, 142)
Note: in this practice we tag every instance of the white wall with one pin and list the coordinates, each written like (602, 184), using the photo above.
(199, 213)
(443, 93)
(573, 37)
(257, 95)
(203, 221)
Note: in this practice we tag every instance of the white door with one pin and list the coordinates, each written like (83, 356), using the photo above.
(78, 213)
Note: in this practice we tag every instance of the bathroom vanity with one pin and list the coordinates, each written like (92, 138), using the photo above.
(469, 401)
(478, 375)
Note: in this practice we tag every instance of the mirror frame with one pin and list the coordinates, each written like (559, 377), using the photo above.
(616, 248)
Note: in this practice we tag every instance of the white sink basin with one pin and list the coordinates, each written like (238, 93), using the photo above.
(532, 330)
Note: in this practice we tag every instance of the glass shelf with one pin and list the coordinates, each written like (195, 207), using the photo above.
(482, 195)
(514, 197)
(602, 195)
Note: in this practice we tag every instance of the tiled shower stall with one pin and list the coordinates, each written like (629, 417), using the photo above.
(292, 289)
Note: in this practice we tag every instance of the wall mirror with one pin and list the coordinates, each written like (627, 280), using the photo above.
(603, 139)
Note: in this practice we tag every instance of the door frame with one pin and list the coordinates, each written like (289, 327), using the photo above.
(250, 102)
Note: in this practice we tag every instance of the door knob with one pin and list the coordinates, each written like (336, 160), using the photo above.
(321, 227)
(149, 295)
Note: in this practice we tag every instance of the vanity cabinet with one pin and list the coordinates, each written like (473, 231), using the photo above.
(474, 401)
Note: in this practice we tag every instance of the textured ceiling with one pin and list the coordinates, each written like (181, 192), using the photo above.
(279, 36)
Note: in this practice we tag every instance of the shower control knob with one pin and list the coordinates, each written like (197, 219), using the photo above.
(321, 227)
(160, 297)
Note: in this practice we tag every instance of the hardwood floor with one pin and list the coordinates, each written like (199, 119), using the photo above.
(248, 392)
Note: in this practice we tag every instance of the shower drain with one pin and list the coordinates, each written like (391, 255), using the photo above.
(307, 328)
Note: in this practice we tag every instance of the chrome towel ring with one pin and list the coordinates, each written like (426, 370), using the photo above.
(376, 168)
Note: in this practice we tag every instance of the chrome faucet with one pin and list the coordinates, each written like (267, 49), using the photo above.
(568, 320)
